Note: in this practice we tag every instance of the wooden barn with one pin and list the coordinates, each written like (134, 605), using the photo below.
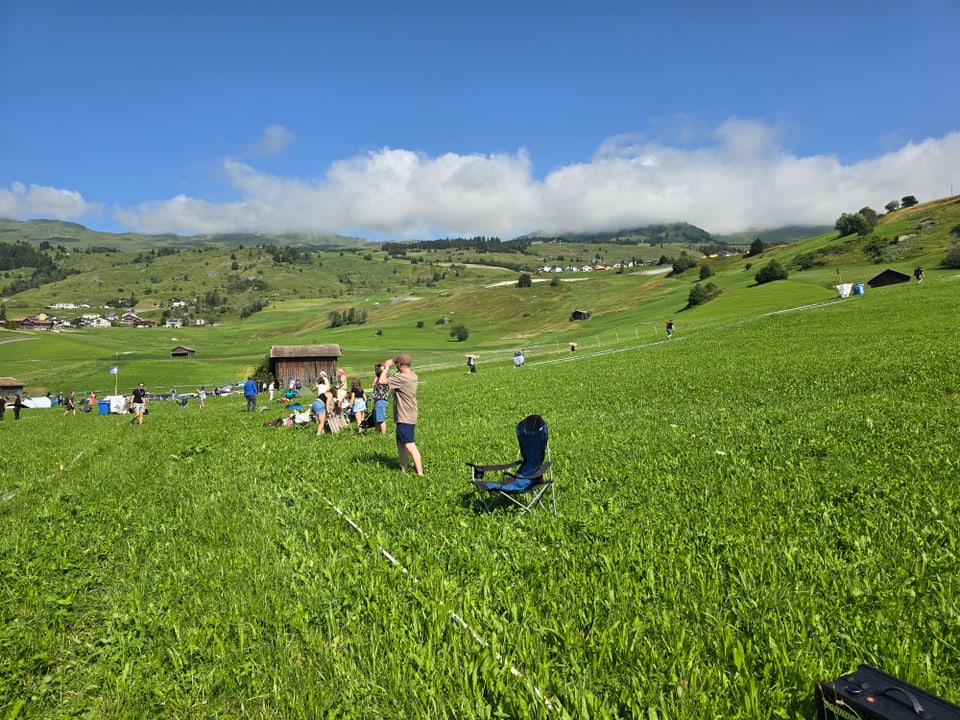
(10, 386)
(182, 351)
(579, 315)
(303, 362)
(888, 277)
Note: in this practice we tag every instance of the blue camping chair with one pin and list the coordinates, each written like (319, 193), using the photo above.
(524, 481)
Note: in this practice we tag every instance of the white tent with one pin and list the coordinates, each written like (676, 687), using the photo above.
(37, 402)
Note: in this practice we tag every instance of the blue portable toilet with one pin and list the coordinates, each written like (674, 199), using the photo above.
(858, 289)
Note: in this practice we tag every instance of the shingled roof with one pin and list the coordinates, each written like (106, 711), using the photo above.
(301, 351)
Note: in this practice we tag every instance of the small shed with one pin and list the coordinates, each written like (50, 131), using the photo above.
(303, 362)
(182, 351)
(888, 277)
(10, 386)
(580, 315)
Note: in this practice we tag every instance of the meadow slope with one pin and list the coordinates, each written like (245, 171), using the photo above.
(761, 503)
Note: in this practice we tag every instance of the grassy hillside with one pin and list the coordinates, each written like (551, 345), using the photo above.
(78, 237)
(762, 503)
(435, 290)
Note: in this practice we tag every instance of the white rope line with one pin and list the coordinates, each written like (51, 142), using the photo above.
(16, 491)
(453, 614)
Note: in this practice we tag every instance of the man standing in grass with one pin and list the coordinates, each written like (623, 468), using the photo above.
(139, 401)
(404, 385)
(71, 403)
(250, 393)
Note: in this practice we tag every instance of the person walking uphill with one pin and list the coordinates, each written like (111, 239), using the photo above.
(404, 385)
(250, 393)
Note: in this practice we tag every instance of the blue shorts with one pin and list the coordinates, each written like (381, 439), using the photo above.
(380, 410)
(405, 434)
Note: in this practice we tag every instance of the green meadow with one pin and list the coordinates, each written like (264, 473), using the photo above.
(755, 506)
(764, 502)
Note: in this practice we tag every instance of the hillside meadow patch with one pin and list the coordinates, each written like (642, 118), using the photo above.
(741, 513)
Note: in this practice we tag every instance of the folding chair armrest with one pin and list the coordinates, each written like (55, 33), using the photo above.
(538, 473)
(477, 471)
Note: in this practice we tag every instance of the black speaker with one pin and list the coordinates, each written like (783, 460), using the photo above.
(871, 694)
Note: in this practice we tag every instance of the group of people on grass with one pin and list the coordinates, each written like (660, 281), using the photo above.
(331, 401)
(353, 403)
(336, 401)
(17, 406)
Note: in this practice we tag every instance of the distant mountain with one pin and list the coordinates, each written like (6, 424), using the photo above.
(73, 235)
(650, 234)
(776, 236)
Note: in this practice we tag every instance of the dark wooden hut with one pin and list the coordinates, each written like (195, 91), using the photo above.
(10, 386)
(182, 351)
(303, 362)
(888, 277)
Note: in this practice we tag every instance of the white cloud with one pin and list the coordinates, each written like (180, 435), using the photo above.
(273, 141)
(20, 201)
(738, 177)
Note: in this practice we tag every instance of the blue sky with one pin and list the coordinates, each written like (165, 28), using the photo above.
(432, 119)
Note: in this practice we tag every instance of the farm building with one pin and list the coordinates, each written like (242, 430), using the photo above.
(888, 277)
(580, 315)
(10, 386)
(182, 351)
(303, 362)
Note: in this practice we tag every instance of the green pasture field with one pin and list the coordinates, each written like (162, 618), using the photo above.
(625, 308)
(766, 501)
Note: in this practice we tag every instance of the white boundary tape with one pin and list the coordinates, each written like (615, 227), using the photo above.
(16, 491)
(548, 703)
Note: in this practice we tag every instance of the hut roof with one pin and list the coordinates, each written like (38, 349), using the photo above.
(10, 382)
(888, 277)
(299, 351)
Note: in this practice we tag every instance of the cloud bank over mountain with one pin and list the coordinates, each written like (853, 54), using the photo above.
(736, 177)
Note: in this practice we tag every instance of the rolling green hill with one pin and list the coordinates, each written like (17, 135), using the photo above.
(762, 503)
(255, 296)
